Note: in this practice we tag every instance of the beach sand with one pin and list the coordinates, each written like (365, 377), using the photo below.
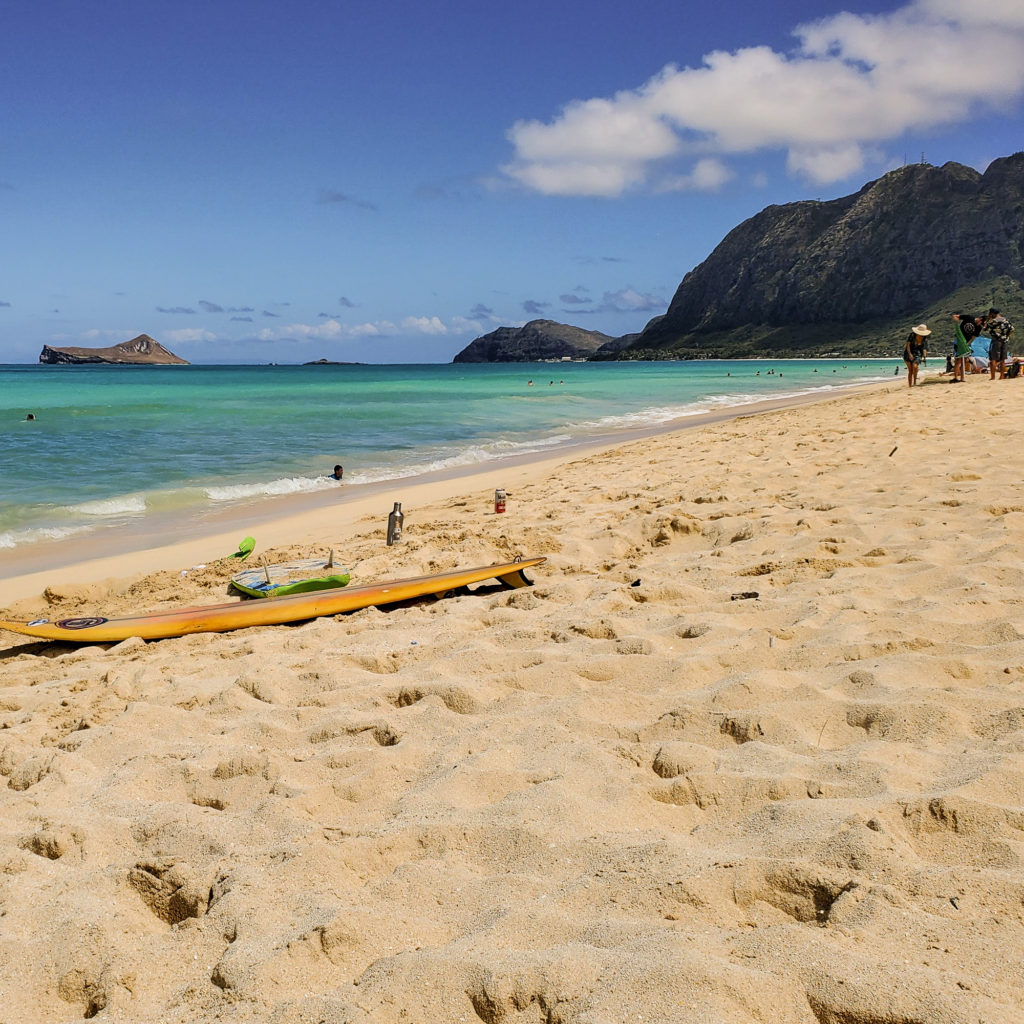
(751, 749)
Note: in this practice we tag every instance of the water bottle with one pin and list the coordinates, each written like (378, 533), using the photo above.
(395, 520)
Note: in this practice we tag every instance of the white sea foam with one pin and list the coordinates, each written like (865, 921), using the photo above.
(119, 506)
(431, 461)
(270, 488)
(656, 415)
(439, 461)
(13, 538)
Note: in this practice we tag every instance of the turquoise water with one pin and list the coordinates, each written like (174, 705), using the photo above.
(111, 445)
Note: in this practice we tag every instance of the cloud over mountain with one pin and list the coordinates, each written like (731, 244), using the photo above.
(626, 300)
(853, 82)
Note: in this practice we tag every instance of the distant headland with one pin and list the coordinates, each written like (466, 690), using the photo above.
(140, 351)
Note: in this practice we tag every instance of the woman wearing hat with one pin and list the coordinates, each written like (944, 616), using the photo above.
(915, 353)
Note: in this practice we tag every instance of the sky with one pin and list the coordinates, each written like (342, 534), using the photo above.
(252, 181)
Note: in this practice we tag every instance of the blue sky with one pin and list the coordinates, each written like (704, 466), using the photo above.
(270, 182)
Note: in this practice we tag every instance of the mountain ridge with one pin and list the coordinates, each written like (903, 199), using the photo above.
(860, 265)
(843, 277)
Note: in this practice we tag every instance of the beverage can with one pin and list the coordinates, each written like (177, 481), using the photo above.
(499, 499)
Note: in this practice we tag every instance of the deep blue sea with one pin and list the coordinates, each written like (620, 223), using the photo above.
(112, 445)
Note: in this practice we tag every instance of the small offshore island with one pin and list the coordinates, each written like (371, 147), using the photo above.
(140, 351)
(333, 362)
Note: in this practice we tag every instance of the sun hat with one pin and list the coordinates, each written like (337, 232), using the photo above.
(922, 330)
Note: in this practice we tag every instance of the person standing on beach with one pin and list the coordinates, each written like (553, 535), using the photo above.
(966, 332)
(999, 329)
(915, 353)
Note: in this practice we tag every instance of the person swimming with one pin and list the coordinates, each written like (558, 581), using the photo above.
(338, 473)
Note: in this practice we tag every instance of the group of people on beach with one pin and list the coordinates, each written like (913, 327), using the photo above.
(966, 329)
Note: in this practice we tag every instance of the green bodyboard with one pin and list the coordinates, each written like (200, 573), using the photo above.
(301, 577)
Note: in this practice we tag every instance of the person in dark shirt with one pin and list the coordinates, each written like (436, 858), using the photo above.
(999, 329)
(966, 331)
(915, 352)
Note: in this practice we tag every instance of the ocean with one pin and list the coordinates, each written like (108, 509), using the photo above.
(111, 446)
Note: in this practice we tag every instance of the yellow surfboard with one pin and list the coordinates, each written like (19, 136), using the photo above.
(220, 618)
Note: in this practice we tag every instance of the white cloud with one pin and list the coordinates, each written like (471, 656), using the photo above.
(95, 334)
(424, 325)
(853, 81)
(186, 334)
(826, 165)
(626, 300)
(629, 300)
(328, 330)
(108, 337)
(600, 147)
(466, 325)
(380, 329)
(708, 174)
(334, 330)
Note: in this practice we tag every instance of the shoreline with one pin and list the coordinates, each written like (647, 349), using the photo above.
(145, 546)
(227, 463)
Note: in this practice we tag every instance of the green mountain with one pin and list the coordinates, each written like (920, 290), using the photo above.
(851, 276)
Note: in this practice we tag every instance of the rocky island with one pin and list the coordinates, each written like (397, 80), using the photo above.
(140, 351)
(534, 342)
(332, 362)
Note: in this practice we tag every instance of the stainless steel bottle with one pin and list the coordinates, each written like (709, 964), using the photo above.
(395, 520)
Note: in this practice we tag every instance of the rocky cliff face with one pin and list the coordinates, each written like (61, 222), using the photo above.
(537, 340)
(143, 350)
(895, 248)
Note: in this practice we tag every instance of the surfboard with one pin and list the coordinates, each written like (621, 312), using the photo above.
(221, 618)
(298, 577)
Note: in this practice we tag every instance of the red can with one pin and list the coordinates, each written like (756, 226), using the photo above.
(499, 499)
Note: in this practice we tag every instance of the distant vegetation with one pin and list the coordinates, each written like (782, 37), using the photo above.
(874, 338)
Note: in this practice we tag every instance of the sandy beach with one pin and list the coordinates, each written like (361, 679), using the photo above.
(751, 749)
